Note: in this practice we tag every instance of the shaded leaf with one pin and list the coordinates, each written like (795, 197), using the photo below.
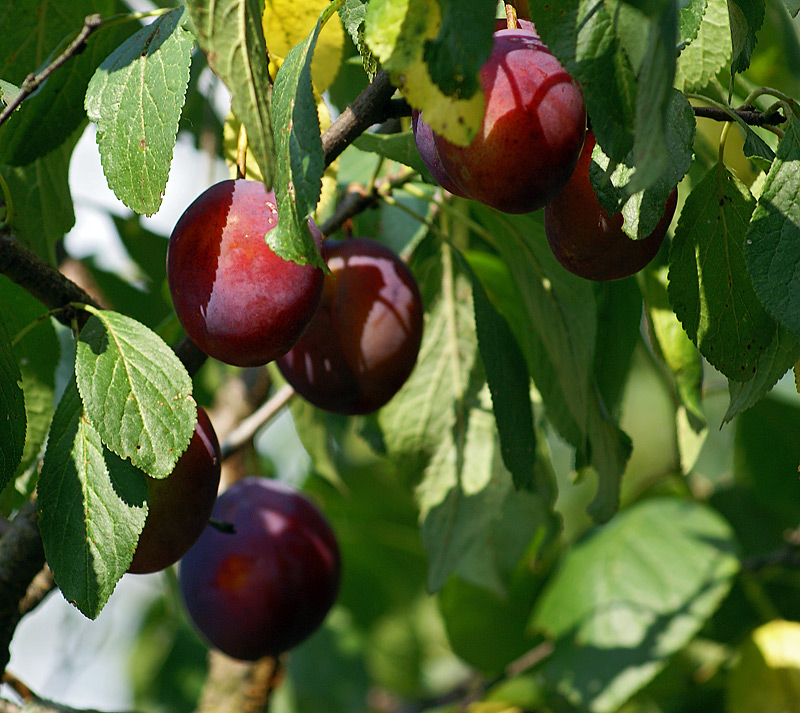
(772, 245)
(43, 211)
(709, 287)
(92, 508)
(13, 422)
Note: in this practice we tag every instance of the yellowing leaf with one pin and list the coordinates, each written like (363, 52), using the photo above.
(287, 22)
(766, 678)
(396, 32)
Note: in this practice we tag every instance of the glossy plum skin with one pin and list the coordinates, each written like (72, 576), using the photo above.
(179, 505)
(235, 298)
(532, 131)
(264, 588)
(589, 242)
(362, 344)
(423, 137)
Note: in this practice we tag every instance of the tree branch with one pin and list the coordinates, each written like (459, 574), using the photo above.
(748, 114)
(21, 559)
(370, 107)
(53, 289)
(35, 79)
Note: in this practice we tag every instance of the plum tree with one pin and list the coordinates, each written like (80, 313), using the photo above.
(587, 240)
(363, 341)
(180, 505)
(238, 301)
(263, 588)
(532, 130)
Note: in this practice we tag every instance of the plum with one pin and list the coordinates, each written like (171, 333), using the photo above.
(180, 505)
(532, 131)
(236, 299)
(362, 344)
(588, 241)
(266, 586)
(423, 137)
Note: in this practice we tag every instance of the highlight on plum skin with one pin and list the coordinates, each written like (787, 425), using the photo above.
(362, 344)
(180, 505)
(236, 299)
(266, 586)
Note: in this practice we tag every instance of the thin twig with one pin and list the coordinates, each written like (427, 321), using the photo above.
(35, 79)
(245, 431)
(747, 114)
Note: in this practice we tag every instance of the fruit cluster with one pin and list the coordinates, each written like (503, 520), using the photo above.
(361, 323)
(530, 153)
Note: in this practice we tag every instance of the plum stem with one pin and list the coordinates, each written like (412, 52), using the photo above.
(511, 16)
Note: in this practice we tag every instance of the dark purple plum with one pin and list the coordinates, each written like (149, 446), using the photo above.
(237, 300)
(587, 240)
(268, 585)
(179, 505)
(362, 344)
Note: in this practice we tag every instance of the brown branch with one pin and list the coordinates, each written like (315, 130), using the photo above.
(21, 559)
(53, 289)
(748, 114)
(370, 107)
(35, 79)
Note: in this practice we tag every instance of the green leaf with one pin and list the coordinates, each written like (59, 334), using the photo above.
(136, 96)
(43, 211)
(781, 355)
(690, 18)
(709, 287)
(37, 354)
(746, 18)
(474, 522)
(709, 52)
(653, 98)
(232, 38)
(135, 391)
(463, 45)
(558, 340)
(793, 6)
(679, 354)
(13, 423)
(643, 209)
(48, 117)
(631, 594)
(92, 508)
(300, 160)
(619, 310)
(509, 384)
(427, 407)
(772, 245)
(35, 30)
(396, 147)
(765, 452)
(353, 14)
(581, 33)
